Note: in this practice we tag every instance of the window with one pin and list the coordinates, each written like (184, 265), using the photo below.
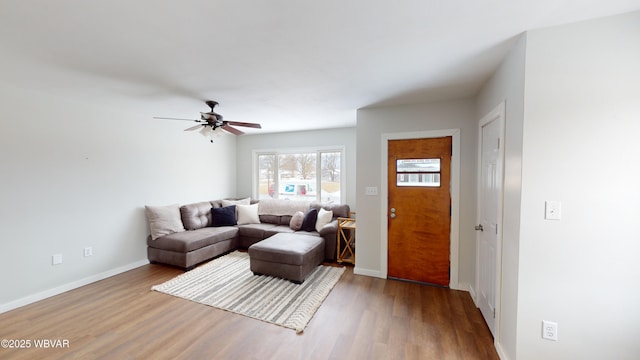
(266, 175)
(418, 172)
(300, 175)
(330, 177)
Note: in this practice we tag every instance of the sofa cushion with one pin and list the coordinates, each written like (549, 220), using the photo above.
(197, 215)
(270, 219)
(309, 222)
(164, 220)
(280, 229)
(194, 239)
(247, 214)
(275, 219)
(254, 230)
(224, 216)
(296, 221)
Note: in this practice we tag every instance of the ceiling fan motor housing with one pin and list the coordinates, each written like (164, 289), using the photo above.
(211, 116)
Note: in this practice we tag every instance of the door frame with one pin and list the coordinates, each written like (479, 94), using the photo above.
(454, 236)
(497, 114)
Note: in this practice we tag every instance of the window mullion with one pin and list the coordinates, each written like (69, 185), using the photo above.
(318, 175)
(276, 171)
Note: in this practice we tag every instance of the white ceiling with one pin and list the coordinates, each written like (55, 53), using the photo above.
(290, 65)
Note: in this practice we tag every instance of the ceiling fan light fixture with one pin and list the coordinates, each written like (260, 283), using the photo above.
(210, 132)
(206, 131)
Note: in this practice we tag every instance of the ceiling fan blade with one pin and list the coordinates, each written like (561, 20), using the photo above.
(245, 124)
(231, 129)
(166, 118)
(194, 127)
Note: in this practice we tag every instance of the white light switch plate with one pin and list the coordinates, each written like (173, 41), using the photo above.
(371, 190)
(552, 210)
(56, 259)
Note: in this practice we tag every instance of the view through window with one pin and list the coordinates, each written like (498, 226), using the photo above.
(418, 172)
(303, 175)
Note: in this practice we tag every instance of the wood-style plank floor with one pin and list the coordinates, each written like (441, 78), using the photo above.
(362, 318)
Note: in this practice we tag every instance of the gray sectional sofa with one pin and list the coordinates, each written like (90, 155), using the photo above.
(192, 237)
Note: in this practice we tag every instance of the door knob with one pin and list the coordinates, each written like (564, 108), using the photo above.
(393, 215)
(392, 210)
(479, 227)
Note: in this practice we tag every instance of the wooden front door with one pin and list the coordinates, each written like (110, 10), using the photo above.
(419, 210)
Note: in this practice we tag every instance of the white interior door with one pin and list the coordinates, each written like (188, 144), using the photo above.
(490, 215)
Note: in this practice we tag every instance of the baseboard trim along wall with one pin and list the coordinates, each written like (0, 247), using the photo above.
(368, 272)
(70, 286)
(472, 292)
(376, 273)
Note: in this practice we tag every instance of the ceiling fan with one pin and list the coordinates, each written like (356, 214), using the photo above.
(211, 121)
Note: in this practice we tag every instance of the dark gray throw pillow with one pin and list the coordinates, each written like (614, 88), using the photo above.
(225, 216)
(309, 222)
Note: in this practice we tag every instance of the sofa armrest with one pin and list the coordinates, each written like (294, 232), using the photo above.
(328, 233)
(329, 229)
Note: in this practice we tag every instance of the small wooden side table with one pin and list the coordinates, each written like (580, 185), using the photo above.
(347, 239)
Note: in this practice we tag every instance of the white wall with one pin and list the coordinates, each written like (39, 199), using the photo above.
(372, 124)
(342, 137)
(74, 174)
(507, 84)
(580, 147)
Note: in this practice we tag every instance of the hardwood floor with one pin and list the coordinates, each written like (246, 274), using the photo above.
(362, 318)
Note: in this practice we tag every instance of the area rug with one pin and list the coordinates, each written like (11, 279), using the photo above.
(227, 283)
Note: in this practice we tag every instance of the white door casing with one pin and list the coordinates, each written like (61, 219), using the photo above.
(490, 194)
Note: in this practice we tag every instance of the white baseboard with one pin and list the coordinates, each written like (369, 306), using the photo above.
(367, 272)
(462, 287)
(501, 354)
(70, 286)
(472, 292)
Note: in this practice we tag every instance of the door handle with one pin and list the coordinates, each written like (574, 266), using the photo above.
(393, 215)
(479, 227)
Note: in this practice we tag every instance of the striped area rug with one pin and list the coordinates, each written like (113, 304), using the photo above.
(227, 283)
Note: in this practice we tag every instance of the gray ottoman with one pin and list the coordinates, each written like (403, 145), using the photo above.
(291, 256)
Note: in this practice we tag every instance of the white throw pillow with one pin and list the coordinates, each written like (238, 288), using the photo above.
(226, 203)
(164, 220)
(247, 214)
(324, 217)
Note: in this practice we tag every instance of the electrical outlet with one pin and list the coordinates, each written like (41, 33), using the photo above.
(88, 251)
(549, 330)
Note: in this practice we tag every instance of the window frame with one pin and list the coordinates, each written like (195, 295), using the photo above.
(318, 150)
(419, 173)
